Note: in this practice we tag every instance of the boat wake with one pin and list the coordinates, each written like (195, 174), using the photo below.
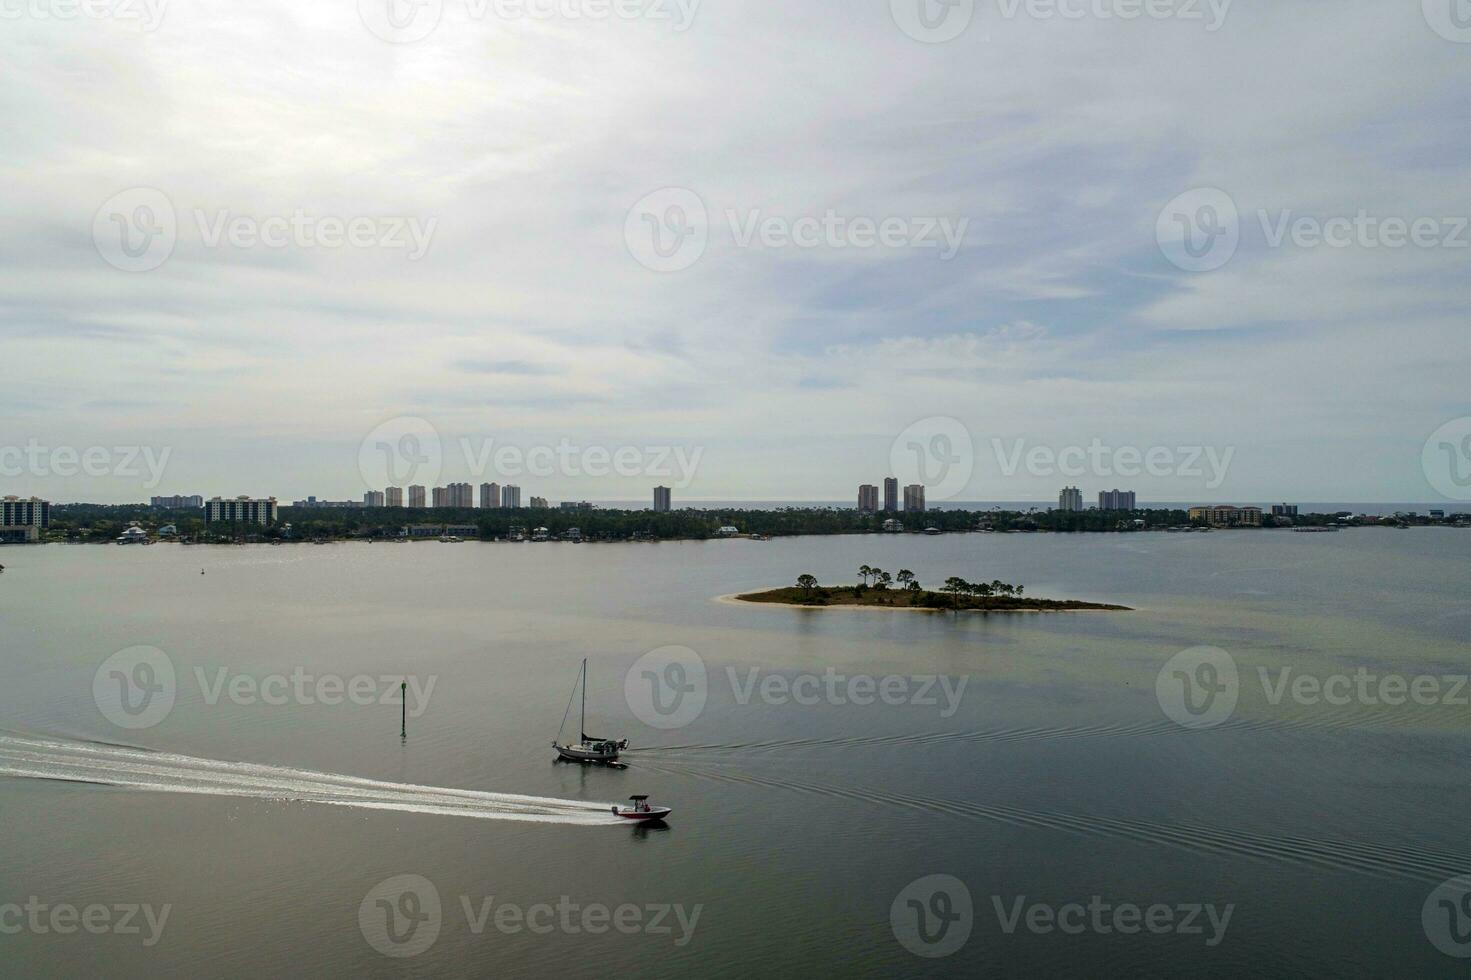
(67, 760)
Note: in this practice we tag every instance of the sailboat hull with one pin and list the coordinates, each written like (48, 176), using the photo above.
(597, 752)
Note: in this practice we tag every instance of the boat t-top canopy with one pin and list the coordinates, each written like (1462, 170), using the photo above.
(643, 796)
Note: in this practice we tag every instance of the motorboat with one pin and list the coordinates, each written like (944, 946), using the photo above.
(642, 810)
(589, 748)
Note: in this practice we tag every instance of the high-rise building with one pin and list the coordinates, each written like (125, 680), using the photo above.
(32, 512)
(193, 502)
(460, 495)
(1116, 500)
(490, 495)
(540, 502)
(663, 499)
(1284, 510)
(891, 493)
(511, 497)
(1071, 499)
(868, 498)
(374, 498)
(914, 498)
(241, 510)
(393, 497)
(416, 496)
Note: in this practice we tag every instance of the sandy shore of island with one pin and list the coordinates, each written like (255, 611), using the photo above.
(734, 599)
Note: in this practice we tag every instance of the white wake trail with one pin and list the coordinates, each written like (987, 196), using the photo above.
(166, 772)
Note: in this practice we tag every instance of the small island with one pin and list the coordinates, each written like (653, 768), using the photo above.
(957, 595)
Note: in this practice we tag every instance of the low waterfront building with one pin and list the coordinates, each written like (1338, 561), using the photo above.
(1226, 515)
(192, 502)
(241, 510)
(728, 531)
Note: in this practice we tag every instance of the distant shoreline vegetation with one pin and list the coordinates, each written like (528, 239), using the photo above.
(102, 523)
(957, 595)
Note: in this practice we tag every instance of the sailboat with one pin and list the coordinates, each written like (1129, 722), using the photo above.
(590, 748)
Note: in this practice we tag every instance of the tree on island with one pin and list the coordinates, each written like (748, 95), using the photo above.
(864, 572)
(956, 587)
(807, 583)
(904, 577)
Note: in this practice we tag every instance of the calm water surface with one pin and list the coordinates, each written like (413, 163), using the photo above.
(1054, 776)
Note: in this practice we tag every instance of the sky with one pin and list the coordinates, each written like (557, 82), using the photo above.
(1205, 250)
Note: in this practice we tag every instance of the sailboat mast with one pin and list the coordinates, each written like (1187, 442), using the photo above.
(583, 728)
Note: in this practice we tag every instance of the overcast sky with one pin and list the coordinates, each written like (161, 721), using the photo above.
(177, 179)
